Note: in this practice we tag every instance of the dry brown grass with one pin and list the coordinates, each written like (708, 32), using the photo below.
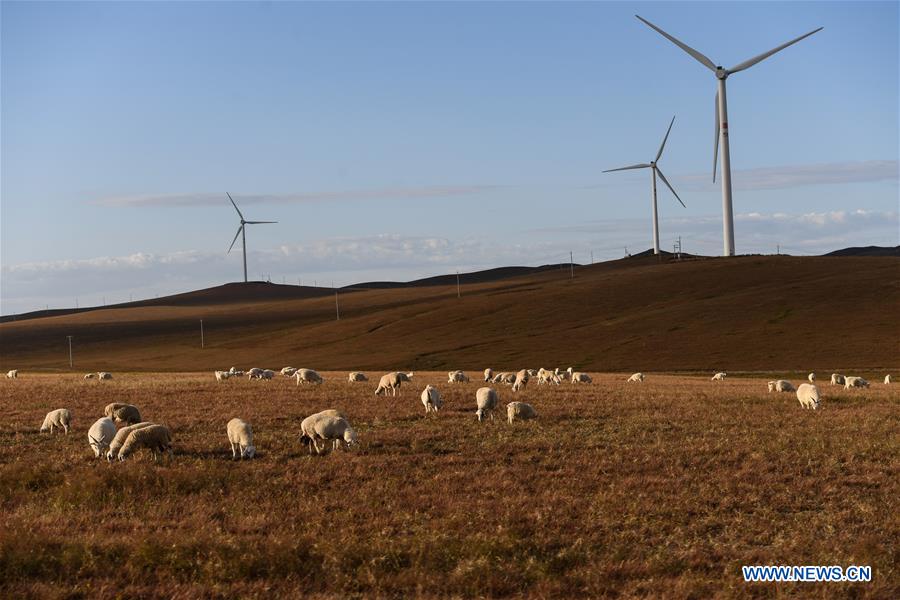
(661, 489)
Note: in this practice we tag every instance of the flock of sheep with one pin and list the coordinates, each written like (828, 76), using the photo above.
(332, 425)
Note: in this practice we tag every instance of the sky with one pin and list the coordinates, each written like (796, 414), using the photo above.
(403, 140)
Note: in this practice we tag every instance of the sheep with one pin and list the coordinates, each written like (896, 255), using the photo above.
(235, 372)
(636, 378)
(267, 374)
(101, 434)
(122, 435)
(431, 398)
(104, 375)
(123, 412)
(288, 371)
(851, 381)
(457, 377)
(808, 395)
(13, 374)
(392, 381)
(781, 385)
(519, 411)
(486, 399)
(488, 375)
(520, 381)
(505, 377)
(254, 373)
(61, 417)
(546, 376)
(887, 379)
(563, 375)
(222, 375)
(90, 375)
(240, 436)
(156, 438)
(308, 376)
(577, 377)
(323, 426)
(719, 376)
(837, 379)
(532, 372)
(811, 377)
(357, 376)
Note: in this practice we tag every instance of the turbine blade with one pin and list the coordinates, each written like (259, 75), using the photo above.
(668, 185)
(235, 238)
(258, 222)
(663, 145)
(701, 58)
(640, 166)
(716, 140)
(749, 63)
(235, 206)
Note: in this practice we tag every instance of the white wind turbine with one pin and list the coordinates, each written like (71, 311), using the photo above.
(242, 233)
(721, 134)
(654, 168)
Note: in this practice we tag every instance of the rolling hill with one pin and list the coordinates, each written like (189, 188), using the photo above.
(745, 313)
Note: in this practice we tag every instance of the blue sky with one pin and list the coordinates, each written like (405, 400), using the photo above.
(399, 140)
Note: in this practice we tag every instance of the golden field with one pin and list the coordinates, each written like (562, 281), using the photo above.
(660, 489)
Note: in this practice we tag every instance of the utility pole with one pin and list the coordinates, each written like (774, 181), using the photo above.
(592, 257)
(69, 337)
(571, 266)
(778, 249)
(457, 284)
(202, 343)
(337, 307)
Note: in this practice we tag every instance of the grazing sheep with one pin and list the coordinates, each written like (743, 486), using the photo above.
(288, 371)
(357, 376)
(636, 378)
(505, 377)
(811, 377)
(240, 436)
(563, 375)
(887, 379)
(13, 374)
(101, 435)
(719, 376)
(123, 412)
(392, 381)
(577, 377)
(235, 372)
(519, 411)
(121, 436)
(90, 375)
(488, 375)
(520, 381)
(457, 377)
(532, 372)
(308, 376)
(104, 375)
(222, 375)
(851, 381)
(322, 426)
(808, 395)
(486, 399)
(837, 379)
(431, 398)
(546, 376)
(156, 438)
(254, 373)
(60, 417)
(781, 385)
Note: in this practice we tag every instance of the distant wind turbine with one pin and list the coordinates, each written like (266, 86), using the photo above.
(241, 232)
(721, 132)
(654, 172)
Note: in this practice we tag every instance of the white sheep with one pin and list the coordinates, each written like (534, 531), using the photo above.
(123, 412)
(887, 379)
(104, 375)
(546, 376)
(90, 375)
(431, 398)
(505, 377)
(636, 378)
(322, 426)
(267, 374)
(781, 385)
(240, 436)
(308, 376)
(486, 399)
(521, 380)
(222, 375)
(837, 379)
(457, 377)
(101, 435)
(288, 371)
(719, 376)
(357, 376)
(61, 417)
(254, 373)
(563, 375)
(121, 436)
(811, 377)
(235, 372)
(156, 438)
(577, 377)
(13, 374)
(392, 381)
(488, 375)
(519, 411)
(808, 395)
(851, 381)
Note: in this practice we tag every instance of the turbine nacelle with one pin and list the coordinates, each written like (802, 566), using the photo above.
(722, 73)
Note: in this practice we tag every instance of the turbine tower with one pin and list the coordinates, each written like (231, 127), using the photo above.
(241, 232)
(721, 132)
(654, 172)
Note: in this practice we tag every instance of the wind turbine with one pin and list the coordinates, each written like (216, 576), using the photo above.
(241, 232)
(654, 172)
(721, 133)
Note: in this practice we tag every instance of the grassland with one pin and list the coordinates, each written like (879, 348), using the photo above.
(662, 489)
